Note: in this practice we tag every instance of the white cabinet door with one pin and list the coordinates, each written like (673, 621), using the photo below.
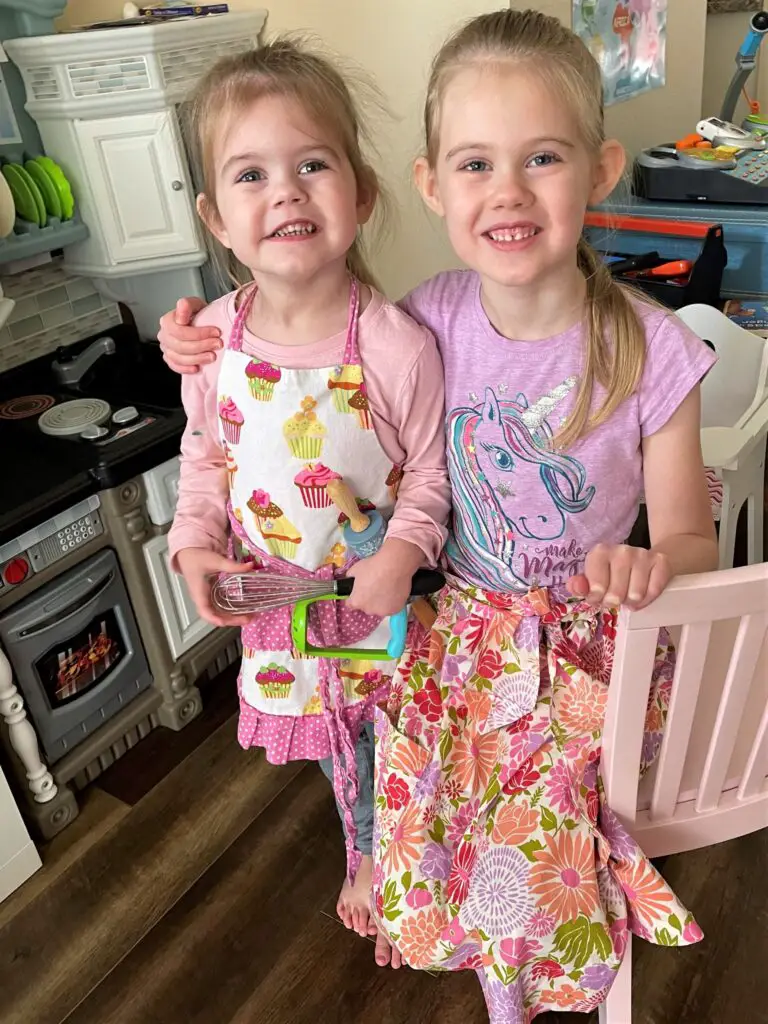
(18, 856)
(183, 626)
(138, 177)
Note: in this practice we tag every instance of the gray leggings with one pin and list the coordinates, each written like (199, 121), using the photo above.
(362, 811)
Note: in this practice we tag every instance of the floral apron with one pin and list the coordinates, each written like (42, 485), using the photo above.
(285, 434)
(494, 849)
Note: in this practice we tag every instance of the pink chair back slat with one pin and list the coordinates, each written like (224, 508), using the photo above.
(738, 682)
(691, 659)
(623, 729)
(755, 775)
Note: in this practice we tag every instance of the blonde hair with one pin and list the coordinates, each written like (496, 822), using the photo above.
(295, 69)
(615, 349)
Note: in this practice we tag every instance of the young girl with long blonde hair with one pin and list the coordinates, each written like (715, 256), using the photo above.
(567, 398)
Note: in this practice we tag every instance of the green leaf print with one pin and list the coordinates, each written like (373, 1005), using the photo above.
(453, 645)
(548, 820)
(538, 793)
(392, 914)
(600, 941)
(390, 891)
(405, 881)
(446, 744)
(575, 975)
(574, 940)
(530, 848)
(510, 668)
(664, 938)
(570, 824)
(438, 831)
(493, 790)
(570, 669)
(674, 920)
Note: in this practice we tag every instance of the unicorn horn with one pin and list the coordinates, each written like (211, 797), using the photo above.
(535, 416)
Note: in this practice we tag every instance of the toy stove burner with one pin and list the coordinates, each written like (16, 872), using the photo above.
(73, 417)
(25, 406)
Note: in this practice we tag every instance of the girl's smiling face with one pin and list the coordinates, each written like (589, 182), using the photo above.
(512, 175)
(286, 199)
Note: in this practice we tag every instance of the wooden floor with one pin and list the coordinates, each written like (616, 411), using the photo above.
(198, 886)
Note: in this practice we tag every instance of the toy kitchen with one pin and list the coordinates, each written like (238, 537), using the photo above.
(99, 641)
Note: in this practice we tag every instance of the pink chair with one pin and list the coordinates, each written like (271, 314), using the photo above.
(710, 782)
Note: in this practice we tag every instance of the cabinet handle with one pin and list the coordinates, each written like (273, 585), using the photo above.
(177, 185)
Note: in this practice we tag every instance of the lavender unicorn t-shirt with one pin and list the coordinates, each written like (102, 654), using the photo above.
(524, 513)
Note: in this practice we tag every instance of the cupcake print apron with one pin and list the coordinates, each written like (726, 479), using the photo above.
(286, 433)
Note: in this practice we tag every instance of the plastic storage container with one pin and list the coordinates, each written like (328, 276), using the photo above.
(745, 233)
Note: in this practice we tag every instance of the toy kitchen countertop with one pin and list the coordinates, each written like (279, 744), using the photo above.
(62, 440)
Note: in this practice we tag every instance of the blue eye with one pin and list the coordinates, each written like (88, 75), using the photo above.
(543, 160)
(475, 166)
(252, 175)
(503, 460)
(312, 167)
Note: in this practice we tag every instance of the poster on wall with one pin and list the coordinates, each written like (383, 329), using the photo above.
(628, 40)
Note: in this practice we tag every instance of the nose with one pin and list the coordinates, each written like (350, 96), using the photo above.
(288, 190)
(510, 189)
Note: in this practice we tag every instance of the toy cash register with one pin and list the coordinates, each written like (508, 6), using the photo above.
(722, 162)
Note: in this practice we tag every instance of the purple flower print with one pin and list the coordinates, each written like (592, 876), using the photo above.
(623, 846)
(528, 633)
(436, 862)
(513, 697)
(651, 747)
(597, 977)
(499, 900)
(560, 789)
(453, 668)
(460, 955)
(427, 782)
(504, 1002)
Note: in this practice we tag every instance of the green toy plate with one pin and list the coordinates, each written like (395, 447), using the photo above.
(37, 195)
(47, 189)
(23, 200)
(60, 183)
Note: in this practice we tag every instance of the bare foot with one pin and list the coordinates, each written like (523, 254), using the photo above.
(354, 902)
(386, 953)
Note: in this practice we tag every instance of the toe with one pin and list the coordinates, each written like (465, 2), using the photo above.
(383, 951)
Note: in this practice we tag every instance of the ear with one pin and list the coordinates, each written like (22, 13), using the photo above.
(367, 194)
(608, 171)
(426, 183)
(210, 217)
(491, 411)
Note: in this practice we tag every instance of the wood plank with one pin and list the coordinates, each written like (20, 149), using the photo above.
(66, 940)
(142, 768)
(263, 948)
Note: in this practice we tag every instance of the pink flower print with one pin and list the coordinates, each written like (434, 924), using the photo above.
(517, 952)
(454, 933)
(619, 933)
(692, 932)
(541, 924)
(417, 898)
(560, 790)
(461, 821)
(260, 498)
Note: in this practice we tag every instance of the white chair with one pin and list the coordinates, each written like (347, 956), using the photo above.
(710, 781)
(734, 420)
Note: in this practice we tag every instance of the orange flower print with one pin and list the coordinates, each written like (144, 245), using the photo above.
(420, 937)
(474, 758)
(582, 705)
(478, 704)
(514, 824)
(407, 756)
(563, 879)
(436, 651)
(647, 893)
(407, 837)
(564, 998)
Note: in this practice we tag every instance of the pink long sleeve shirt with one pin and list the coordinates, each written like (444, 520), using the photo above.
(404, 379)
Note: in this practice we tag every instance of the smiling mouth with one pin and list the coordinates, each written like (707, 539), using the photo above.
(297, 229)
(513, 234)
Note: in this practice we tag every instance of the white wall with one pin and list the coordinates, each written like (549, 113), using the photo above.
(395, 41)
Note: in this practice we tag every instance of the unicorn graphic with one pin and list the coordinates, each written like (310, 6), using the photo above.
(510, 485)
